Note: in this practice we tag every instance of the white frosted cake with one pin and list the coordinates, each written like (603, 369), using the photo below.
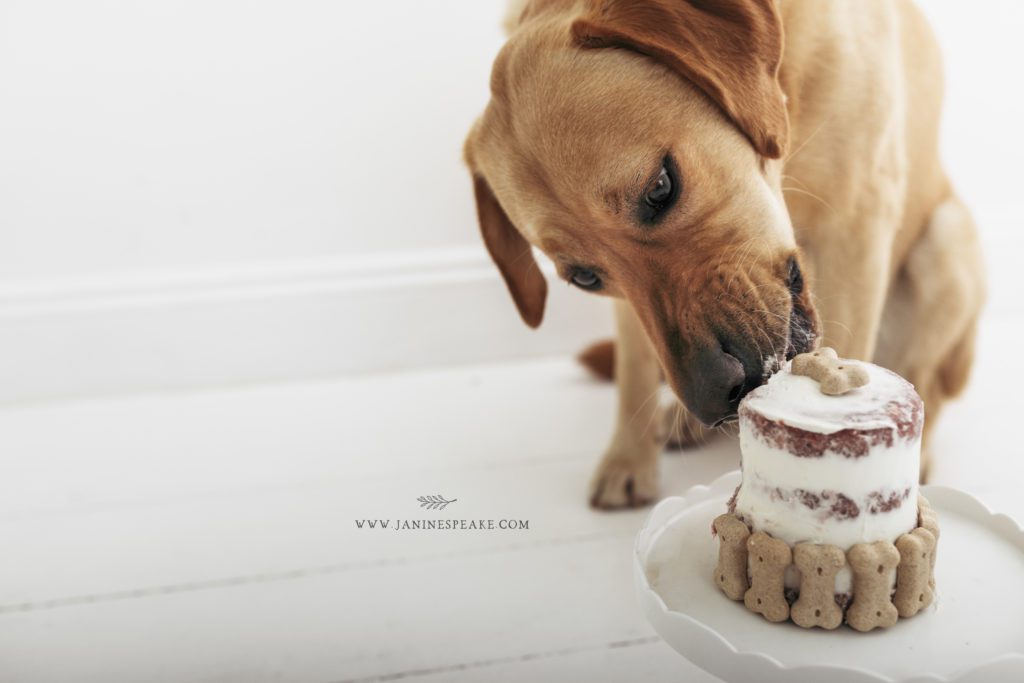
(840, 470)
(828, 470)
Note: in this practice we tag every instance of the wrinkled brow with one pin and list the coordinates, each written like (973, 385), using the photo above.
(623, 197)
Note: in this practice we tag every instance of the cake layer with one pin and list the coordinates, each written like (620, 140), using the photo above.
(836, 470)
(831, 499)
(830, 470)
(886, 409)
(836, 520)
(868, 480)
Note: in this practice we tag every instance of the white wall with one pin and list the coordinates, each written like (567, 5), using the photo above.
(168, 135)
(213, 191)
(983, 53)
(982, 144)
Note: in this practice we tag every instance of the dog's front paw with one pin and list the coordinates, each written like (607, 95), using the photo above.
(624, 481)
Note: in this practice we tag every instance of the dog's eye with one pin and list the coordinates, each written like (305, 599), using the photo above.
(584, 278)
(660, 191)
(661, 194)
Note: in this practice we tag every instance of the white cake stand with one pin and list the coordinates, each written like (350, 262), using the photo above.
(973, 632)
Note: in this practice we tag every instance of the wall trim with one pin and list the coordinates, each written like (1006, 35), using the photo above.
(274, 321)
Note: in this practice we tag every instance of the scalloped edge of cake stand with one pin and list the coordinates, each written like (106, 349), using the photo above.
(715, 653)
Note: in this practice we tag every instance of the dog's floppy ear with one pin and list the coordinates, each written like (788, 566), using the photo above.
(512, 254)
(730, 49)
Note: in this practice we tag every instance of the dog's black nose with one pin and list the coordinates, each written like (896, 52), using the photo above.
(715, 386)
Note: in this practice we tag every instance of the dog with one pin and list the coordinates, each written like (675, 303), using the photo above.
(746, 179)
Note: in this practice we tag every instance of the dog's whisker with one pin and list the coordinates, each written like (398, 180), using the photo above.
(644, 404)
(654, 414)
(747, 250)
(744, 249)
(836, 323)
(792, 155)
(677, 424)
(811, 195)
(762, 336)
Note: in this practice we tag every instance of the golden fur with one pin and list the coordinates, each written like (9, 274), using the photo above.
(804, 131)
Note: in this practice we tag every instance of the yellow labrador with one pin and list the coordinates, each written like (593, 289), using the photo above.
(745, 178)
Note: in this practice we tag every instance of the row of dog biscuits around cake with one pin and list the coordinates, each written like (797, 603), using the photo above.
(752, 567)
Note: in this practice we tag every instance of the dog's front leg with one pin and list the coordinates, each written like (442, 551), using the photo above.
(628, 474)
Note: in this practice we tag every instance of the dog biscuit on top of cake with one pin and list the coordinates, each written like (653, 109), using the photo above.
(834, 375)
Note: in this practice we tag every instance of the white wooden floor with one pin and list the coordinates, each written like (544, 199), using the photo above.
(212, 536)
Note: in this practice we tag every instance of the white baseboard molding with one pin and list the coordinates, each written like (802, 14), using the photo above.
(274, 322)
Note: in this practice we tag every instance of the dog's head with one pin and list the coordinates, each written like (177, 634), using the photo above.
(635, 142)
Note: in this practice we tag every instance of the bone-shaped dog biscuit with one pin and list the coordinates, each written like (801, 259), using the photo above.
(872, 565)
(767, 558)
(833, 375)
(927, 519)
(731, 571)
(818, 565)
(913, 587)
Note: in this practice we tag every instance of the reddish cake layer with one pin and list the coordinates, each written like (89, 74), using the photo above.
(830, 469)
(908, 418)
(833, 503)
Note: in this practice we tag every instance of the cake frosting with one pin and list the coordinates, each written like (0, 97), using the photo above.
(837, 470)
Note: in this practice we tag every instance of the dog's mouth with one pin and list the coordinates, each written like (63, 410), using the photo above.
(802, 327)
(802, 335)
(803, 332)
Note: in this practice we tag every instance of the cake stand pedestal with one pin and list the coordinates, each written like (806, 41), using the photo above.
(974, 631)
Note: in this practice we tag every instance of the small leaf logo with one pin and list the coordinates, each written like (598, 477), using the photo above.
(435, 502)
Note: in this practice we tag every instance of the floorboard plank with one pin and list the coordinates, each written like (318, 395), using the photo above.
(212, 536)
